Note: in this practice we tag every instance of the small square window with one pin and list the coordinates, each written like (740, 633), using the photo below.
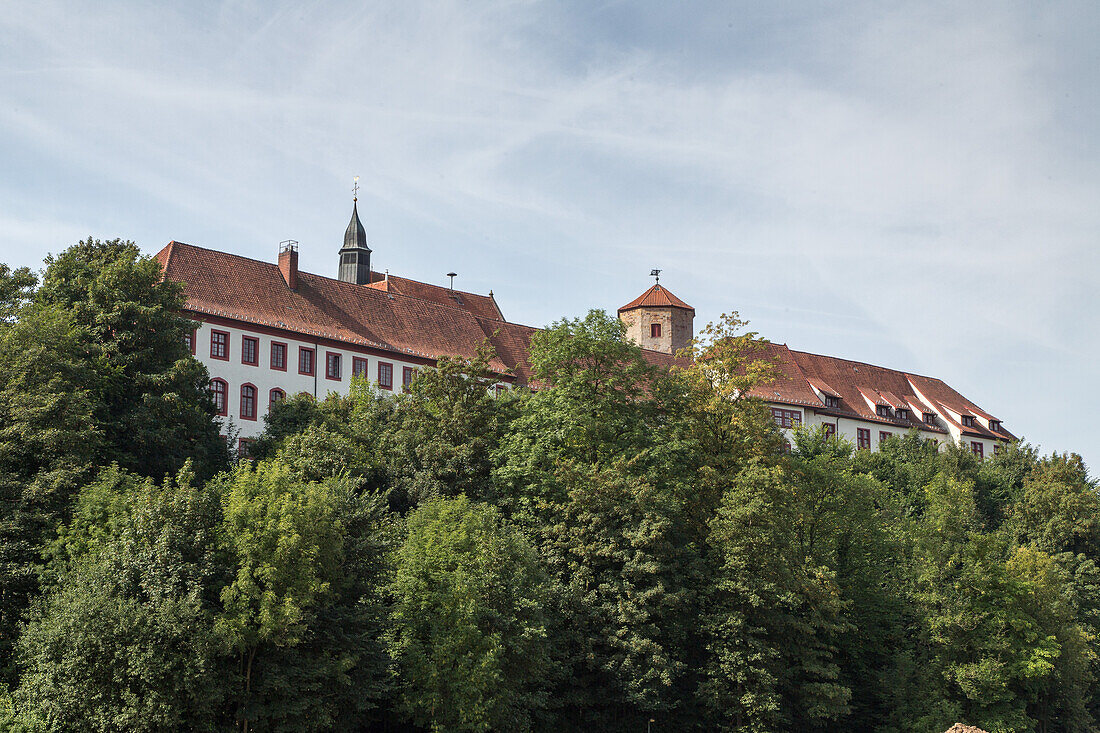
(332, 365)
(655, 330)
(901, 413)
(305, 360)
(830, 429)
(358, 366)
(863, 438)
(968, 421)
(977, 448)
(385, 375)
(832, 401)
(930, 418)
(250, 349)
(882, 410)
(883, 435)
(219, 345)
(278, 356)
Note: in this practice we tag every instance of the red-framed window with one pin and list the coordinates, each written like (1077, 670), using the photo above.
(332, 365)
(190, 340)
(248, 402)
(244, 448)
(977, 448)
(500, 389)
(830, 429)
(832, 401)
(219, 390)
(219, 345)
(655, 330)
(385, 375)
(305, 360)
(968, 421)
(883, 435)
(358, 367)
(863, 438)
(786, 418)
(250, 350)
(408, 374)
(275, 396)
(882, 410)
(278, 356)
(998, 449)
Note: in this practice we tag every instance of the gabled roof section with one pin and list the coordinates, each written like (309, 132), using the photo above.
(656, 297)
(822, 387)
(861, 387)
(239, 288)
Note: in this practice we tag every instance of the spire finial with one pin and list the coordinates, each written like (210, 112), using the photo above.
(655, 273)
(355, 190)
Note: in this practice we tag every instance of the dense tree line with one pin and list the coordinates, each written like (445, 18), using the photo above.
(624, 544)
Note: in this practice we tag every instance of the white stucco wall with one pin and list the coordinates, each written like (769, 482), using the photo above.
(264, 378)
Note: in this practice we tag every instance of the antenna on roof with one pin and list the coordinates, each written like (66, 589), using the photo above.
(452, 275)
(655, 273)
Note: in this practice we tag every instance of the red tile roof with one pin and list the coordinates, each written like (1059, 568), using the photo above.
(656, 297)
(851, 380)
(434, 325)
(480, 305)
(426, 321)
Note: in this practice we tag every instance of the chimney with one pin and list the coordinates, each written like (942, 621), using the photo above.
(288, 262)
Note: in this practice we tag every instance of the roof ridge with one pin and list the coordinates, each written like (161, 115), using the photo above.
(333, 279)
(867, 363)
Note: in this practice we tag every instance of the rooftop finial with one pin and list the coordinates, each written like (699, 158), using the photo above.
(655, 273)
(355, 190)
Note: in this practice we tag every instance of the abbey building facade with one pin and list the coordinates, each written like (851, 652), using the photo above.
(267, 330)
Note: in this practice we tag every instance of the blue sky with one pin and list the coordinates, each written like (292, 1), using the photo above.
(913, 185)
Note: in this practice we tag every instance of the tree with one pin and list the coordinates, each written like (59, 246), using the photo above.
(285, 543)
(49, 440)
(150, 396)
(126, 640)
(468, 634)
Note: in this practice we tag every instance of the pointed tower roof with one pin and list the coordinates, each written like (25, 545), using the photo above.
(356, 236)
(656, 297)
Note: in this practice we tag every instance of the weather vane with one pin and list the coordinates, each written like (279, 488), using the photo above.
(655, 273)
(355, 190)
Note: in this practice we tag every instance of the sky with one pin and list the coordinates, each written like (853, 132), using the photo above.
(914, 185)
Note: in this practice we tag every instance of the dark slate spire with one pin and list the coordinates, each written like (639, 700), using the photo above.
(355, 254)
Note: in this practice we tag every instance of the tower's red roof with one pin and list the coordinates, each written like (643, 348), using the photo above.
(656, 297)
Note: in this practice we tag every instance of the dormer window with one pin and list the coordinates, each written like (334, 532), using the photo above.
(995, 425)
(968, 421)
(882, 410)
(930, 418)
(902, 413)
(832, 401)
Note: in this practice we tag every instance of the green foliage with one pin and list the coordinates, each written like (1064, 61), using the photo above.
(468, 629)
(619, 544)
(150, 397)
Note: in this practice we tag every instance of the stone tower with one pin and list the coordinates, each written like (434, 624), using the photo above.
(355, 254)
(658, 320)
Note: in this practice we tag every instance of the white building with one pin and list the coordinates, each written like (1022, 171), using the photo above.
(267, 331)
(863, 403)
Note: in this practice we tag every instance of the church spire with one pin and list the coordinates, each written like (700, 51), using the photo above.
(355, 254)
